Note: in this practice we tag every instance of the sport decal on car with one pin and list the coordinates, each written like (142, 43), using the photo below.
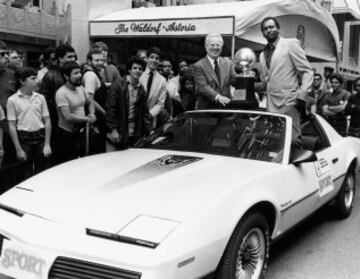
(18, 261)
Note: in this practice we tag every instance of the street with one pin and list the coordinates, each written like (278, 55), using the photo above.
(320, 248)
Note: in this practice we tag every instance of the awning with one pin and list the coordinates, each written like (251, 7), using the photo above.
(311, 24)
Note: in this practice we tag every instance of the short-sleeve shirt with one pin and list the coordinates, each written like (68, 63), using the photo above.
(2, 114)
(28, 111)
(42, 73)
(336, 98)
(91, 82)
(75, 100)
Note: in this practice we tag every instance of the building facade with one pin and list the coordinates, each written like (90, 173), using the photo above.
(347, 16)
(85, 10)
(29, 26)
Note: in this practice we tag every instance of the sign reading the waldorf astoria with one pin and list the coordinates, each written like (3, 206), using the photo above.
(167, 27)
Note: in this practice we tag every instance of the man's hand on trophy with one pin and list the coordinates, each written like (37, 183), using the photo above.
(222, 100)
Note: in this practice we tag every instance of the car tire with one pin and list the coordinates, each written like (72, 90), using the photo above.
(247, 253)
(344, 199)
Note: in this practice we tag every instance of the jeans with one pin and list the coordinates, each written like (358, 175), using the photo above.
(32, 143)
(68, 146)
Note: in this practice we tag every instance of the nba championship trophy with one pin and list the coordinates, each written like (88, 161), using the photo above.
(244, 97)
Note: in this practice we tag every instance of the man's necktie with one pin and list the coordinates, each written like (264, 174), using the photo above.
(217, 70)
(270, 52)
(149, 82)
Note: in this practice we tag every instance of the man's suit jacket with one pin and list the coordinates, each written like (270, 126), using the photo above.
(287, 64)
(117, 111)
(157, 94)
(207, 83)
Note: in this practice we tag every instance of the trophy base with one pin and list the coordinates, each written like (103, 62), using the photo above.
(244, 97)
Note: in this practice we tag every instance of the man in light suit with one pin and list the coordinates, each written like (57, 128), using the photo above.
(213, 75)
(283, 62)
(154, 84)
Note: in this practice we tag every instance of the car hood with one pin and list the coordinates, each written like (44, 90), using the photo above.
(108, 191)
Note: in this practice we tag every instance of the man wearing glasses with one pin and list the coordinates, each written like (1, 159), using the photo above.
(213, 75)
(316, 95)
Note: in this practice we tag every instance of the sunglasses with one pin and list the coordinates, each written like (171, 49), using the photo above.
(3, 53)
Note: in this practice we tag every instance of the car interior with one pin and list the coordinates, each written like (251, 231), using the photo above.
(313, 136)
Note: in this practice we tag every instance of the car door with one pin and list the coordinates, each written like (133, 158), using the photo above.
(298, 194)
(328, 158)
(311, 183)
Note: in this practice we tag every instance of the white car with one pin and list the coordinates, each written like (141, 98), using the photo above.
(203, 196)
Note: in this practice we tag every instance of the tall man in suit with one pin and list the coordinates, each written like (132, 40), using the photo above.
(283, 62)
(213, 75)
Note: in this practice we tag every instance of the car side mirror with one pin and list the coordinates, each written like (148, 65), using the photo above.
(303, 156)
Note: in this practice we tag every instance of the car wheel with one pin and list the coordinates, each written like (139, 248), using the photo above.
(345, 197)
(247, 253)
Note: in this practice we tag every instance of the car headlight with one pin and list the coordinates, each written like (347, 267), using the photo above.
(144, 230)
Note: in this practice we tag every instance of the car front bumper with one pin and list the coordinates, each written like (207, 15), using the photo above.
(36, 248)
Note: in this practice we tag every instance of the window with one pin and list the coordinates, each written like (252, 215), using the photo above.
(354, 39)
(313, 138)
(241, 135)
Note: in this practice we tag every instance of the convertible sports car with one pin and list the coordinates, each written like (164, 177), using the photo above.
(202, 196)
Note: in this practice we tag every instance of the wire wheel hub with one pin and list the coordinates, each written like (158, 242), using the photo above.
(251, 254)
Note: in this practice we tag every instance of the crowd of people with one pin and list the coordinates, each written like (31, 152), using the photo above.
(66, 110)
(330, 99)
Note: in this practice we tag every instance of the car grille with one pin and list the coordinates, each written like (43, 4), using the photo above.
(67, 268)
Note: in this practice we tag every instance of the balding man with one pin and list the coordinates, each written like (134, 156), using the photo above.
(213, 75)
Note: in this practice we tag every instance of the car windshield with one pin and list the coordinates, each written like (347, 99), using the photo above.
(242, 135)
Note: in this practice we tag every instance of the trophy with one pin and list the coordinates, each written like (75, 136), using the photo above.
(243, 60)
(244, 97)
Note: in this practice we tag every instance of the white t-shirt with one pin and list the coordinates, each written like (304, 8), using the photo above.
(91, 82)
(27, 111)
(75, 100)
(41, 73)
